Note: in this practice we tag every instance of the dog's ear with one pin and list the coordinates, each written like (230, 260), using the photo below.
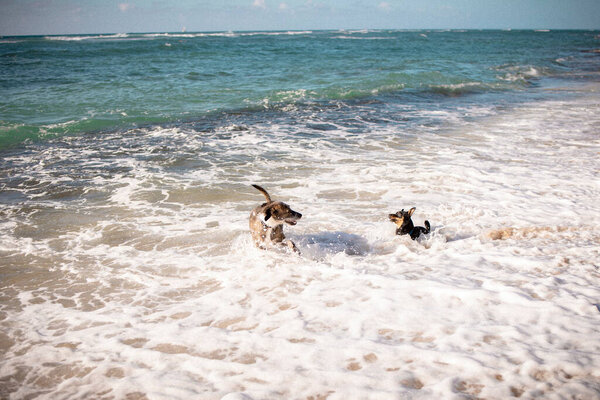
(411, 211)
(267, 214)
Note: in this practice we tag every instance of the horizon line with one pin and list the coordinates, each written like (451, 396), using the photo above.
(355, 30)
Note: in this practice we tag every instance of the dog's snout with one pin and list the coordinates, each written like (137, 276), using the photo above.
(298, 215)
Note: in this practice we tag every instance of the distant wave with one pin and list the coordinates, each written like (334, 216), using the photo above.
(465, 88)
(137, 36)
(172, 35)
(277, 33)
(224, 34)
(362, 37)
(520, 73)
(287, 99)
(356, 31)
(13, 134)
(76, 38)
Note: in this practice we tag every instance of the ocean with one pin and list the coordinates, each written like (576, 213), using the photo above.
(127, 269)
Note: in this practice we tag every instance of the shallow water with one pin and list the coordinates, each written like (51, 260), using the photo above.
(128, 271)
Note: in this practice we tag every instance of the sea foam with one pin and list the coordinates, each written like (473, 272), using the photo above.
(156, 289)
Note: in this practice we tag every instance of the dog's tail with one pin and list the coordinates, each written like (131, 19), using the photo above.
(427, 227)
(263, 191)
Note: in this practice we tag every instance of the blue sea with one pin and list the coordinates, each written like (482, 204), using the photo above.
(127, 269)
(72, 85)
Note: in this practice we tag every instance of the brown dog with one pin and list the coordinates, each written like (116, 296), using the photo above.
(266, 222)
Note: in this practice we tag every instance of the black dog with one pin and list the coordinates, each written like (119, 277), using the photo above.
(406, 226)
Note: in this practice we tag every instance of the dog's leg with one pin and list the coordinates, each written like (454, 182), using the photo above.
(291, 245)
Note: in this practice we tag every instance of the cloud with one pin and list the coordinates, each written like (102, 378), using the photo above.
(283, 6)
(384, 5)
(259, 4)
(125, 7)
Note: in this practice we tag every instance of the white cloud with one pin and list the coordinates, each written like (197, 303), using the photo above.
(125, 7)
(384, 5)
(259, 4)
(283, 6)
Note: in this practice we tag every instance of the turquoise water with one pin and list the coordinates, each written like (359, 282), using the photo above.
(57, 85)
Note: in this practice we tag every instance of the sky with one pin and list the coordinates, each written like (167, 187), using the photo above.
(56, 17)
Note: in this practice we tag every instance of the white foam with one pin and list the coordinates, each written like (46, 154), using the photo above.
(77, 38)
(362, 37)
(152, 285)
(224, 34)
(516, 73)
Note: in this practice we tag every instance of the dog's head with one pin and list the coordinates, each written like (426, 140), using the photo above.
(278, 213)
(402, 218)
